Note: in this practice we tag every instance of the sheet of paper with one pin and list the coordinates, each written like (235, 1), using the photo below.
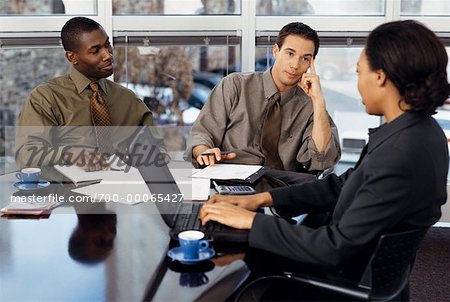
(118, 186)
(130, 188)
(195, 189)
(227, 171)
(126, 192)
(200, 188)
(79, 176)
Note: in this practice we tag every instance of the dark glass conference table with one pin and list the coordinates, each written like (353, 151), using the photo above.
(119, 255)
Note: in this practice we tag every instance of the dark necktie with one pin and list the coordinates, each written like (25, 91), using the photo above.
(101, 120)
(271, 134)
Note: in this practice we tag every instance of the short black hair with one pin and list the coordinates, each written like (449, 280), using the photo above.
(299, 29)
(414, 59)
(73, 29)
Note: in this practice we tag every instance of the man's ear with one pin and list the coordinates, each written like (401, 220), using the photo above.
(275, 50)
(381, 77)
(72, 57)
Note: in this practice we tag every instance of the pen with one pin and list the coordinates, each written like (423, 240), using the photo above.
(215, 186)
(114, 169)
(221, 153)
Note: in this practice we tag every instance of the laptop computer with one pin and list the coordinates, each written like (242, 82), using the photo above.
(146, 156)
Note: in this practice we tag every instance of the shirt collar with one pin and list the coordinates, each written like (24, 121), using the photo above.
(81, 81)
(269, 85)
(385, 131)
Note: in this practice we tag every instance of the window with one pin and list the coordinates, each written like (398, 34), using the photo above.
(23, 68)
(425, 8)
(320, 7)
(177, 7)
(48, 7)
(174, 74)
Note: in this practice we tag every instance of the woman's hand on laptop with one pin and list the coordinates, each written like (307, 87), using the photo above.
(227, 214)
(234, 211)
(249, 202)
(206, 156)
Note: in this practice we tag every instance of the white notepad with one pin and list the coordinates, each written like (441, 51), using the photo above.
(130, 188)
(80, 177)
(228, 172)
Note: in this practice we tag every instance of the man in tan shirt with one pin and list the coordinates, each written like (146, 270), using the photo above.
(233, 117)
(51, 123)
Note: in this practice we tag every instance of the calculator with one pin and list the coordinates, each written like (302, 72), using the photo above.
(234, 190)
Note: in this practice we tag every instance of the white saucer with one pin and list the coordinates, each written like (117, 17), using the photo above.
(23, 186)
(177, 254)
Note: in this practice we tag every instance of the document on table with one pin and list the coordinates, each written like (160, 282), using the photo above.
(30, 205)
(130, 188)
(228, 172)
(79, 177)
(193, 188)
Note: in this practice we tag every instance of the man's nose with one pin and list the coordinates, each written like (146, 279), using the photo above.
(294, 64)
(107, 54)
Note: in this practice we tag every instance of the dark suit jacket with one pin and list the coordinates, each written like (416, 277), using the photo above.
(399, 183)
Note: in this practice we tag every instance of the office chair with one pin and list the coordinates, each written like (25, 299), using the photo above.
(385, 278)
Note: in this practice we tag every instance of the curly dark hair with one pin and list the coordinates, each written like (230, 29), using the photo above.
(73, 29)
(414, 60)
(299, 29)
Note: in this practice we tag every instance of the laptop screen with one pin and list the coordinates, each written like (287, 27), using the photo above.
(145, 155)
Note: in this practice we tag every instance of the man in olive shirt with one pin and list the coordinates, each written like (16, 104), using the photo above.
(233, 117)
(49, 123)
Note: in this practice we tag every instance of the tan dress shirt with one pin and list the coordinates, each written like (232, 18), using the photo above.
(57, 114)
(232, 120)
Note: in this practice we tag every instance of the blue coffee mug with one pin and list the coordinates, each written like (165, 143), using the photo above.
(191, 244)
(29, 177)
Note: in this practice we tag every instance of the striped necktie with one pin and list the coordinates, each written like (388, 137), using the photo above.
(101, 120)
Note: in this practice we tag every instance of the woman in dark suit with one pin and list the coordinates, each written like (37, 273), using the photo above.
(399, 182)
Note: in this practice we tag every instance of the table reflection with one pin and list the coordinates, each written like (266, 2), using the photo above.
(93, 238)
(100, 252)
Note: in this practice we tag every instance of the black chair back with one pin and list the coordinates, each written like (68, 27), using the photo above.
(391, 263)
(385, 278)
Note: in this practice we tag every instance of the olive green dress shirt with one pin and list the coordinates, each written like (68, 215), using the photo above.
(232, 120)
(57, 114)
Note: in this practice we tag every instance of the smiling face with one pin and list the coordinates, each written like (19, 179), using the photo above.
(291, 61)
(93, 56)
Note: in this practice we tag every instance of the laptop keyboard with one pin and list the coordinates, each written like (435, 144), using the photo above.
(191, 221)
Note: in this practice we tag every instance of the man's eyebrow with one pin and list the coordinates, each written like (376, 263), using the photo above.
(293, 50)
(289, 49)
(94, 46)
(99, 45)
